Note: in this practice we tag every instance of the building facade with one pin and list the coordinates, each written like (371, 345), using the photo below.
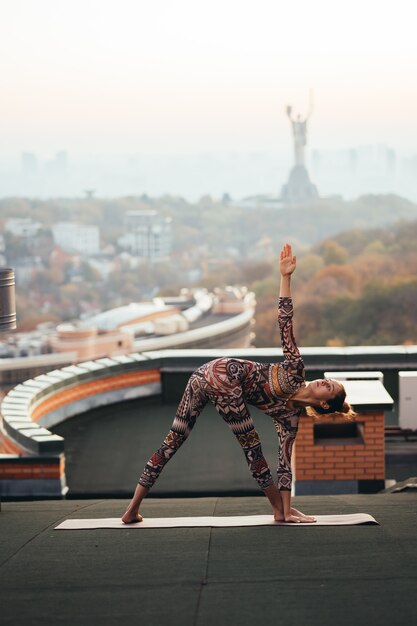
(148, 235)
(77, 238)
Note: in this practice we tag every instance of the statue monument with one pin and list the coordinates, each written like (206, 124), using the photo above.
(299, 188)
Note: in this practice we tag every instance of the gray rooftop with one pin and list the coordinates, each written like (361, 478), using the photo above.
(317, 576)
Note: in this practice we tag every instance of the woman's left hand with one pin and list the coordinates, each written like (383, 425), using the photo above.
(302, 516)
(287, 262)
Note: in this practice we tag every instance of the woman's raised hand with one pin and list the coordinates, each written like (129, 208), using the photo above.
(287, 262)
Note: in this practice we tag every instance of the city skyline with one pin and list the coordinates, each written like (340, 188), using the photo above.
(345, 172)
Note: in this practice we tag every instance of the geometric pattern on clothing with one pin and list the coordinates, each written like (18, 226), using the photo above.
(238, 426)
(229, 403)
(285, 316)
(288, 376)
(249, 440)
(255, 453)
(174, 440)
(284, 482)
(233, 384)
(157, 458)
(225, 377)
(258, 466)
(285, 443)
(282, 380)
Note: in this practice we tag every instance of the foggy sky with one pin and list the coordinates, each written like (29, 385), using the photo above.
(132, 76)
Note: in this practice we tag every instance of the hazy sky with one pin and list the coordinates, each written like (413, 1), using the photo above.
(131, 76)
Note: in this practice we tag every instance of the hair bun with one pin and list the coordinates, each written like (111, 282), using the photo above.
(345, 407)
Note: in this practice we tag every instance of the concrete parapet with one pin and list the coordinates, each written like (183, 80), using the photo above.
(31, 408)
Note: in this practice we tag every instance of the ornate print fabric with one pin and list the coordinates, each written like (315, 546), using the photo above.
(231, 385)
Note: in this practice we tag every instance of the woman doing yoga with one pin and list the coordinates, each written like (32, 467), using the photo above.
(277, 389)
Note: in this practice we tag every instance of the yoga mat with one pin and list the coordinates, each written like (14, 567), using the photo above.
(214, 522)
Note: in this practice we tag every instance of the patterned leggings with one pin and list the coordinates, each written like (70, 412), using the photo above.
(217, 382)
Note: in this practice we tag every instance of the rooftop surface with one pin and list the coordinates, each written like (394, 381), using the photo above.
(266, 575)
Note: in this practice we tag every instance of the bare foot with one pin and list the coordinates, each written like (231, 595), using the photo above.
(307, 519)
(303, 517)
(300, 519)
(293, 519)
(131, 518)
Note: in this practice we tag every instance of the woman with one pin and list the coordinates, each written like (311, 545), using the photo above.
(279, 390)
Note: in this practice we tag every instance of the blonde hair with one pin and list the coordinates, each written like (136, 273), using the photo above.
(347, 412)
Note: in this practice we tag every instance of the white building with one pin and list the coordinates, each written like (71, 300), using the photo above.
(148, 235)
(77, 238)
(22, 226)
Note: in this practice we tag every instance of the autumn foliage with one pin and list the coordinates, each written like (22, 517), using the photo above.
(359, 288)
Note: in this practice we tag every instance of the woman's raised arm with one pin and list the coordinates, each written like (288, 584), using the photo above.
(285, 305)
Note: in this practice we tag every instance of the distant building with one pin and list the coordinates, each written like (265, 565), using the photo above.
(373, 160)
(23, 269)
(148, 235)
(29, 163)
(103, 265)
(130, 314)
(22, 226)
(77, 238)
(195, 318)
(260, 201)
(89, 342)
(59, 164)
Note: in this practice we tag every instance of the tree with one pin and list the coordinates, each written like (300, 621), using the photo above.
(333, 253)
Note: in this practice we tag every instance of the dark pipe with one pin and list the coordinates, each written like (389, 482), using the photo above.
(7, 300)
